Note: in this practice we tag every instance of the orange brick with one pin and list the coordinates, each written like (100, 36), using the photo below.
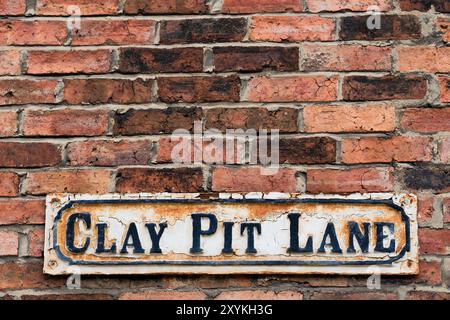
(292, 29)
(429, 59)
(351, 5)
(9, 243)
(163, 295)
(434, 241)
(260, 6)
(426, 120)
(259, 295)
(348, 118)
(444, 150)
(22, 212)
(34, 32)
(36, 242)
(12, 7)
(292, 89)
(87, 7)
(15, 91)
(9, 184)
(444, 26)
(444, 84)
(10, 62)
(8, 119)
(425, 209)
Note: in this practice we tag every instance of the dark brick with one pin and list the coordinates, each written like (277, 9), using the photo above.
(143, 60)
(165, 6)
(361, 88)
(425, 5)
(427, 178)
(203, 30)
(29, 155)
(392, 28)
(317, 150)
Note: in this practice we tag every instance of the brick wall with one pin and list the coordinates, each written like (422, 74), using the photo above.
(88, 105)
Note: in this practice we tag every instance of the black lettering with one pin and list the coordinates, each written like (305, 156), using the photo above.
(156, 236)
(136, 242)
(228, 240)
(362, 239)
(295, 247)
(70, 232)
(330, 232)
(381, 236)
(251, 235)
(101, 231)
(197, 231)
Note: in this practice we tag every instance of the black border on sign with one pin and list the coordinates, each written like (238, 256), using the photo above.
(389, 203)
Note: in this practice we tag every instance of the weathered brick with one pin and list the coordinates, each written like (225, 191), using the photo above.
(68, 62)
(100, 91)
(361, 88)
(131, 180)
(155, 121)
(349, 118)
(34, 32)
(22, 212)
(36, 242)
(261, 6)
(87, 7)
(425, 209)
(14, 91)
(426, 120)
(9, 243)
(386, 150)
(428, 59)
(443, 25)
(349, 181)
(348, 5)
(259, 295)
(27, 275)
(68, 181)
(430, 273)
(108, 153)
(8, 119)
(316, 150)
(9, 184)
(10, 64)
(341, 295)
(427, 295)
(203, 30)
(144, 60)
(439, 5)
(284, 119)
(346, 58)
(12, 7)
(255, 59)
(405, 27)
(423, 178)
(444, 150)
(163, 295)
(68, 297)
(434, 241)
(292, 29)
(252, 179)
(292, 89)
(165, 6)
(446, 210)
(199, 89)
(444, 84)
(29, 154)
(66, 122)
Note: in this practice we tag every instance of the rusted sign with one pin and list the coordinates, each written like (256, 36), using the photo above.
(231, 233)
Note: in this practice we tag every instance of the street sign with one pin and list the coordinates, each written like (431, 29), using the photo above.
(250, 233)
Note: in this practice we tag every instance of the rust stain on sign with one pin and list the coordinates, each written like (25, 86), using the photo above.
(231, 233)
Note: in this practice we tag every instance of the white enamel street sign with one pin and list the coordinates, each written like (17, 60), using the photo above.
(231, 234)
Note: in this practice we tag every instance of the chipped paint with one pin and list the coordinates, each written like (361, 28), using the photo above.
(74, 243)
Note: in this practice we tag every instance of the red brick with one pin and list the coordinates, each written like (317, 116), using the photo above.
(430, 273)
(9, 243)
(68, 62)
(12, 7)
(434, 241)
(10, 62)
(439, 5)
(292, 89)
(346, 58)
(14, 91)
(427, 295)
(426, 120)
(114, 32)
(36, 239)
(425, 209)
(350, 5)
(261, 6)
(443, 25)
(29, 154)
(22, 212)
(134, 180)
(284, 119)
(428, 59)
(68, 297)
(446, 209)
(9, 184)
(252, 179)
(203, 30)
(163, 295)
(350, 181)
(444, 150)
(349, 118)
(199, 89)
(100, 91)
(444, 84)
(8, 119)
(34, 32)
(87, 7)
(292, 29)
(335, 295)
(314, 150)
(386, 150)
(67, 122)
(259, 295)
(108, 153)
(73, 181)
(29, 275)
(165, 6)
(255, 59)
(361, 88)
(155, 121)
(147, 60)
(405, 27)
